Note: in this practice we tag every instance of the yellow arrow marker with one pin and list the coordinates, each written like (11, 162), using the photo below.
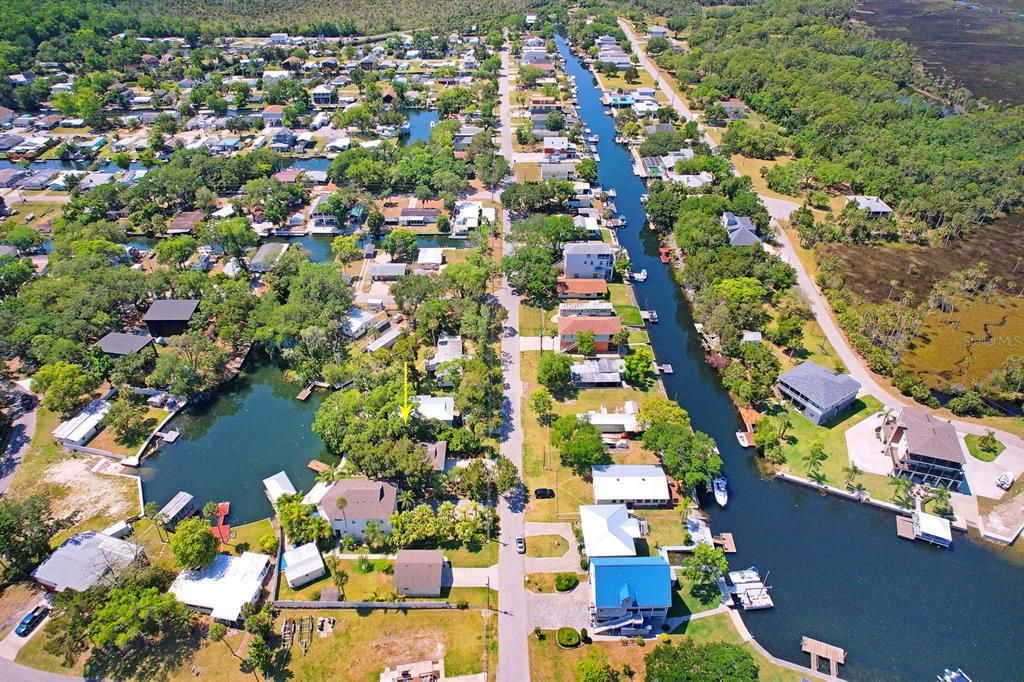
(406, 408)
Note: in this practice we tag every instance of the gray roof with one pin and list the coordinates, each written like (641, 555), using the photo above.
(743, 237)
(823, 387)
(118, 343)
(174, 310)
(732, 222)
(588, 248)
(388, 269)
(927, 436)
(366, 500)
(84, 559)
(419, 569)
(437, 454)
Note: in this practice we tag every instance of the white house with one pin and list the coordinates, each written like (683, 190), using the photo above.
(80, 429)
(302, 564)
(874, 206)
(440, 408)
(358, 323)
(364, 501)
(223, 587)
(609, 530)
(624, 421)
(588, 260)
(634, 485)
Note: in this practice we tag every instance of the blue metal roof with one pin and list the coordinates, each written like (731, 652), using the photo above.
(647, 580)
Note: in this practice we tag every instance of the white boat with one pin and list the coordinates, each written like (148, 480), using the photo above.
(593, 138)
(721, 487)
(644, 198)
(640, 276)
(1005, 480)
(611, 193)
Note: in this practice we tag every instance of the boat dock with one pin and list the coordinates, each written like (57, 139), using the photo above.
(924, 526)
(168, 436)
(318, 466)
(726, 542)
(818, 650)
(748, 590)
(305, 393)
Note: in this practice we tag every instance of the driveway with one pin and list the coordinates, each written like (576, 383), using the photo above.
(12, 643)
(568, 562)
(865, 449)
(23, 413)
(553, 611)
(528, 343)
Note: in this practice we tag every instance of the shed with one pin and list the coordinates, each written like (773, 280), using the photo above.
(180, 507)
(117, 344)
(277, 485)
(83, 426)
(167, 317)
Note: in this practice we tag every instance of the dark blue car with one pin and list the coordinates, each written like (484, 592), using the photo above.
(31, 620)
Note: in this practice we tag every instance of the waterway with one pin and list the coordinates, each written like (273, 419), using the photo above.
(902, 610)
(253, 429)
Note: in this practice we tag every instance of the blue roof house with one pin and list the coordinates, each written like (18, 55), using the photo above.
(631, 595)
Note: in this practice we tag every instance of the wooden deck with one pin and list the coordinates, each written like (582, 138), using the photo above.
(726, 542)
(818, 650)
(318, 466)
(905, 527)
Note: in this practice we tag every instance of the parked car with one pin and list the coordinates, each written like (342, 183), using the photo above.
(31, 619)
(520, 544)
(544, 493)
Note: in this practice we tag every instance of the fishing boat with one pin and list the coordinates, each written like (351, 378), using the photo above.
(666, 254)
(644, 198)
(593, 138)
(640, 276)
(611, 193)
(721, 488)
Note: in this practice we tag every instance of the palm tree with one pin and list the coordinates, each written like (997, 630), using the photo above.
(901, 490)
(853, 471)
(209, 511)
(815, 457)
(406, 500)
(785, 421)
(340, 578)
(341, 502)
(942, 500)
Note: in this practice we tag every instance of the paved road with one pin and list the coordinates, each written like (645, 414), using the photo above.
(513, 598)
(22, 428)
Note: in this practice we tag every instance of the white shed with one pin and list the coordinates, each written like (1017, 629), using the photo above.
(302, 564)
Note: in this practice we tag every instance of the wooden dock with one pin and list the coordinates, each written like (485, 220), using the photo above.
(726, 542)
(818, 650)
(905, 527)
(305, 393)
(318, 466)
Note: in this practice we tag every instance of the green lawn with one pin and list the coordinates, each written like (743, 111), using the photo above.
(666, 530)
(803, 433)
(544, 583)
(475, 557)
(638, 337)
(685, 602)
(629, 315)
(247, 537)
(531, 320)
(981, 448)
(618, 292)
(546, 546)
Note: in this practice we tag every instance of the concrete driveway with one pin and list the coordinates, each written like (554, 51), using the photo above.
(558, 610)
(12, 643)
(568, 562)
(865, 449)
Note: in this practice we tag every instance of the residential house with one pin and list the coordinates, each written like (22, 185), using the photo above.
(818, 393)
(634, 485)
(185, 222)
(267, 256)
(657, 32)
(387, 272)
(438, 408)
(603, 327)
(624, 421)
(464, 136)
(615, 56)
(118, 344)
(586, 309)
(80, 429)
(734, 109)
(437, 455)
(418, 216)
(225, 586)
(385, 340)
(430, 259)
(556, 147)
(596, 373)
(465, 218)
(365, 501)
(321, 219)
(924, 448)
(323, 95)
(302, 564)
(282, 140)
(271, 77)
(873, 206)
(358, 323)
(167, 317)
(449, 349)
(588, 260)
(609, 530)
(541, 104)
(558, 171)
(582, 289)
(86, 559)
(9, 177)
(741, 229)
(418, 572)
(631, 596)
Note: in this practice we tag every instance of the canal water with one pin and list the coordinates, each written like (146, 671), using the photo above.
(902, 610)
(254, 428)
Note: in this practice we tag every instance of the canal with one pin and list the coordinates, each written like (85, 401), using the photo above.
(902, 610)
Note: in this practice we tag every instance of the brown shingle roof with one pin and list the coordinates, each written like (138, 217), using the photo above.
(419, 569)
(366, 500)
(582, 287)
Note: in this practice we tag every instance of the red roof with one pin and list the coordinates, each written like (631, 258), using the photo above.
(599, 325)
(582, 286)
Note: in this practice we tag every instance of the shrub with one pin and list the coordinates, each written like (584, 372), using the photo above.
(364, 565)
(268, 543)
(567, 638)
(462, 604)
(566, 581)
(315, 595)
(383, 566)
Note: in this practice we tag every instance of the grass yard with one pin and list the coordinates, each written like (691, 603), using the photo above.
(799, 437)
(30, 476)
(362, 644)
(473, 557)
(546, 546)
(106, 439)
(666, 530)
(541, 465)
(43, 210)
(527, 171)
(638, 337)
(533, 320)
(629, 315)
(544, 583)
(550, 663)
(686, 603)
(247, 537)
(619, 294)
(617, 81)
(984, 449)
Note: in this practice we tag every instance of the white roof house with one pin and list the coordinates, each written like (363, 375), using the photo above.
(84, 560)
(303, 564)
(277, 485)
(875, 207)
(84, 425)
(608, 530)
(358, 323)
(634, 485)
(223, 587)
(430, 258)
(433, 407)
(624, 421)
